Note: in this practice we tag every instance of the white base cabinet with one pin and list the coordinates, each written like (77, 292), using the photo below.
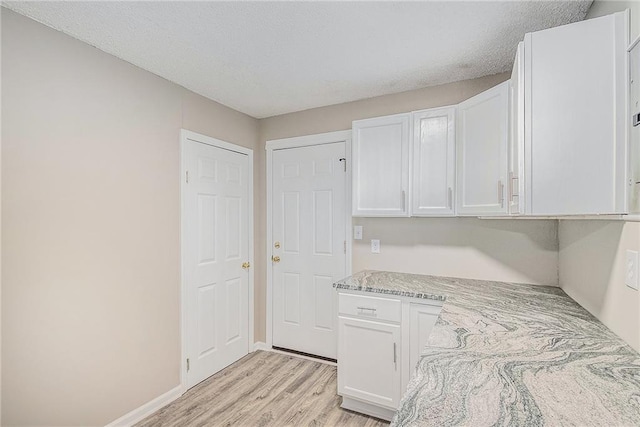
(380, 340)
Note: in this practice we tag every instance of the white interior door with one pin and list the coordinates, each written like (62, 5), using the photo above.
(217, 245)
(308, 229)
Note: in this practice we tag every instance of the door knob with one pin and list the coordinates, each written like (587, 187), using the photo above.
(277, 245)
(246, 265)
(275, 258)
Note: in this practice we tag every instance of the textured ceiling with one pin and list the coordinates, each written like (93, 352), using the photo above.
(270, 58)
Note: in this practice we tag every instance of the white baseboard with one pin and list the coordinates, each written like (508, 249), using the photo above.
(261, 346)
(147, 409)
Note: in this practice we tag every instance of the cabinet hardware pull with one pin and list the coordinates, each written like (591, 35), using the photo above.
(501, 193)
(367, 308)
(395, 357)
(404, 201)
(513, 183)
(450, 198)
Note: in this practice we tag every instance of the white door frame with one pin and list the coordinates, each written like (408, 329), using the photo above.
(303, 141)
(187, 135)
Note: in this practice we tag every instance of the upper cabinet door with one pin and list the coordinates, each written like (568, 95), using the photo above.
(433, 177)
(482, 128)
(575, 136)
(381, 166)
(515, 185)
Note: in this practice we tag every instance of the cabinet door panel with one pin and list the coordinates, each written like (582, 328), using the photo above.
(369, 361)
(575, 110)
(433, 162)
(481, 143)
(381, 166)
(422, 318)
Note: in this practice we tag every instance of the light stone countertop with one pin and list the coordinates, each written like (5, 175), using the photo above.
(511, 354)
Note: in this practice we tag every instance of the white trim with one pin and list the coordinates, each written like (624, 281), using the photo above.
(186, 135)
(257, 346)
(148, 408)
(296, 142)
(307, 140)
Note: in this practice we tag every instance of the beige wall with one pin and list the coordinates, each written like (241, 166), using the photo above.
(90, 221)
(521, 251)
(592, 271)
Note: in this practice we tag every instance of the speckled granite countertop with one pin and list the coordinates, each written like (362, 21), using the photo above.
(512, 354)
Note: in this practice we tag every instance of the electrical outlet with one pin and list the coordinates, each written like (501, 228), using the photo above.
(631, 271)
(357, 232)
(375, 246)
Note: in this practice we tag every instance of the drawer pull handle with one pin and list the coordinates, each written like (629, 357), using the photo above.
(373, 310)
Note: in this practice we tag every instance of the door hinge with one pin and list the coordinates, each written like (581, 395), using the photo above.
(187, 177)
(344, 164)
(188, 367)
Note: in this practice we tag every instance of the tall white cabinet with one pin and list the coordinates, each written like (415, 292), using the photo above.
(515, 185)
(482, 127)
(381, 166)
(575, 118)
(434, 162)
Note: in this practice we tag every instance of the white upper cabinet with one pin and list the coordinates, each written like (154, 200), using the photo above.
(515, 187)
(433, 175)
(381, 166)
(482, 127)
(574, 118)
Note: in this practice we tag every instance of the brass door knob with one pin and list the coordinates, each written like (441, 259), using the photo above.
(275, 258)
(246, 265)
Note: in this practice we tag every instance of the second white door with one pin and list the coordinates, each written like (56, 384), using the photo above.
(308, 247)
(216, 195)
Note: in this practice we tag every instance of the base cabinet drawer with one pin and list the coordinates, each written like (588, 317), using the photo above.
(369, 361)
(370, 307)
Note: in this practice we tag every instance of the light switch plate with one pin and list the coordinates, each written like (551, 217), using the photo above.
(357, 232)
(631, 270)
(375, 246)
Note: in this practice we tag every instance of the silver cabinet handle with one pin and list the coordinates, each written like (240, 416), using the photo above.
(404, 200)
(367, 308)
(395, 356)
(450, 198)
(501, 193)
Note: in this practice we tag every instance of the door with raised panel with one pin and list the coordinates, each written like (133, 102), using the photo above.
(381, 166)
(217, 244)
(369, 361)
(482, 127)
(433, 177)
(309, 248)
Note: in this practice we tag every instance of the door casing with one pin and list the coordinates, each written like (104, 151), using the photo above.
(302, 141)
(185, 136)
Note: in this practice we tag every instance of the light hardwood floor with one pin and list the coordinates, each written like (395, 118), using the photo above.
(263, 389)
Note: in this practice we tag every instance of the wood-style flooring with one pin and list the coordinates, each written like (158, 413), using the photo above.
(263, 389)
